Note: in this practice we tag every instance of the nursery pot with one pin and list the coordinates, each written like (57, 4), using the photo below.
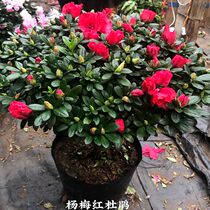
(79, 190)
(93, 4)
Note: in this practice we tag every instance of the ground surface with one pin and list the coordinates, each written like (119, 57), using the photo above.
(29, 180)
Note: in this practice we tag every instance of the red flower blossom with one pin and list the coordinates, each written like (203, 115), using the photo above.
(168, 36)
(99, 48)
(63, 21)
(137, 93)
(163, 97)
(178, 61)
(162, 77)
(91, 24)
(114, 37)
(30, 77)
(59, 93)
(73, 9)
(132, 21)
(19, 110)
(108, 12)
(149, 85)
(121, 124)
(127, 27)
(38, 60)
(153, 50)
(154, 62)
(147, 16)
(183, 100)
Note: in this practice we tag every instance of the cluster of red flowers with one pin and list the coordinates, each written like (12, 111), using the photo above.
(157, 87)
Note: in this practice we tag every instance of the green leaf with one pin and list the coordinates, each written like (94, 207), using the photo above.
(55, 83)
(12, 77)
(46, 115)
(206, 99)
(67, 106)
(175, 117)
(204, 77)
(192, 113)
(104, 142)
(197, 85)
(107, 76)
(129, 138)
(97, 140)
(72, 129)
(61, 112)
(111, 127)
(87, 120)
(124, 82)
(112, 113)
(141, 133)
(61, 127)
(151, 130)
(38, 121)
(75, 91)
(118, 91)
(37, 107)
(88, 139)
(194, 100)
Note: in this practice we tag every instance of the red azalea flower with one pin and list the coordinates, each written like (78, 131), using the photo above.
(183, 100)
(149, 85)
(137, 93)
(163, 97)
(121, 124)
(127, 27)
(38, 60)
(29, 78)
(147, 16)
(153, 50)
(168, 36)
(178, 61)
(132, 21)
(114, 37)
(162, 77)
(154, 62)
(19, 110)
(73, 9)
(100, 49)
(91, 24)
(107, 12)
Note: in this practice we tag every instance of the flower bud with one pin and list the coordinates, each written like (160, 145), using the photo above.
(30, 80)
(146, 122)
(127, 48)
(10, 52)
(56, 50)
(17, 96)
(52, 40)
(52, 21)
(59, 73)
(54, 34)
(93, 130)
(119, 23)
(128, 59)
(15, 41)
(107, 103)
(77, 119)
(81, 59)
(193, 76)
(48, 105)
(135, 60)
(185, 85)
(72, 35)
(38, 60)
(111, 98)
(183, 100)
(132, 38)
(59, 94)
(125, 99)
(70, 67)
(92, 108)
(9, 63)
(33, 33)
(25, 53)
(31, 41)
(120, 67)
(103, 131)
(22, 69)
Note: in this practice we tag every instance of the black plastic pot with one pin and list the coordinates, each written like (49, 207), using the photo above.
(97, 5)
(79, 190)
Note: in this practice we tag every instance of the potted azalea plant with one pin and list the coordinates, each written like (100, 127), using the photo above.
(102, 83)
